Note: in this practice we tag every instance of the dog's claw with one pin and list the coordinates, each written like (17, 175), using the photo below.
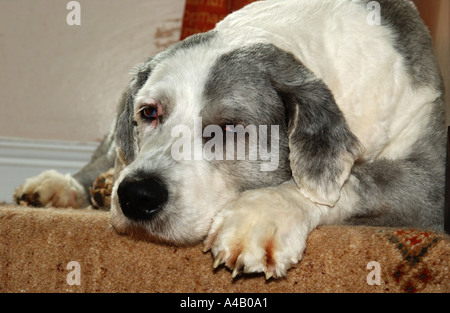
(219, 259)
(235, 272)
(268, 275)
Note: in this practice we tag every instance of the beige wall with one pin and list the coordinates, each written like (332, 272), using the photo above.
(62, 82)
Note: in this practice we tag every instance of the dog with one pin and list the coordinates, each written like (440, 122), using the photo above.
(359, 140)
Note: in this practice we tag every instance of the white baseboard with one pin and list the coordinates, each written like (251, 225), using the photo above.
(22, 158)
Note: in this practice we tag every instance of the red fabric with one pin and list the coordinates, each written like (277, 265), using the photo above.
(202, 15)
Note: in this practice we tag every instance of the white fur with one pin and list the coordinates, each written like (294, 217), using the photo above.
(192, 214)
(280, 215)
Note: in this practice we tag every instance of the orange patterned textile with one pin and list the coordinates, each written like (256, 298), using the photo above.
(202, 15)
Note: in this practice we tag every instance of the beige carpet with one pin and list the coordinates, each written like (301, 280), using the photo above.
(36, 245)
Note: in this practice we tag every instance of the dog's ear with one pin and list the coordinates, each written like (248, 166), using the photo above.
(126, 127)
(125, 135)
(322, 147)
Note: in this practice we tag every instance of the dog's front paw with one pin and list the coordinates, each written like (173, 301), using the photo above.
(261, 231)
(51, 189)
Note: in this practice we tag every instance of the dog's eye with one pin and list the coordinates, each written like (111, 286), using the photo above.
(149, 113)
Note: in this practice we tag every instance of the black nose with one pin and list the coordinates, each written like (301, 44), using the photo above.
(142, 198)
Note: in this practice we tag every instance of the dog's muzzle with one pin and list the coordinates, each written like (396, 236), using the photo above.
(141, 198)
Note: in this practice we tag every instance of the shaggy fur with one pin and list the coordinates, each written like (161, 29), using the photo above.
(360, 132)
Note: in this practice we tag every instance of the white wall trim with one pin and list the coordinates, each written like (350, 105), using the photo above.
(22, 158)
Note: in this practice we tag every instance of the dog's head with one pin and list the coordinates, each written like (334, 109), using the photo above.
(202, 124)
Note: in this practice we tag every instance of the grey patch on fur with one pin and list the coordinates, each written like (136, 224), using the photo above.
(400, 193)
(411, 39)
(319, 135)
(238, 92)
(264, 85)
(126, 133)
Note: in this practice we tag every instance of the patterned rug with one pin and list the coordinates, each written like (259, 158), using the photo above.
(412, 273)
